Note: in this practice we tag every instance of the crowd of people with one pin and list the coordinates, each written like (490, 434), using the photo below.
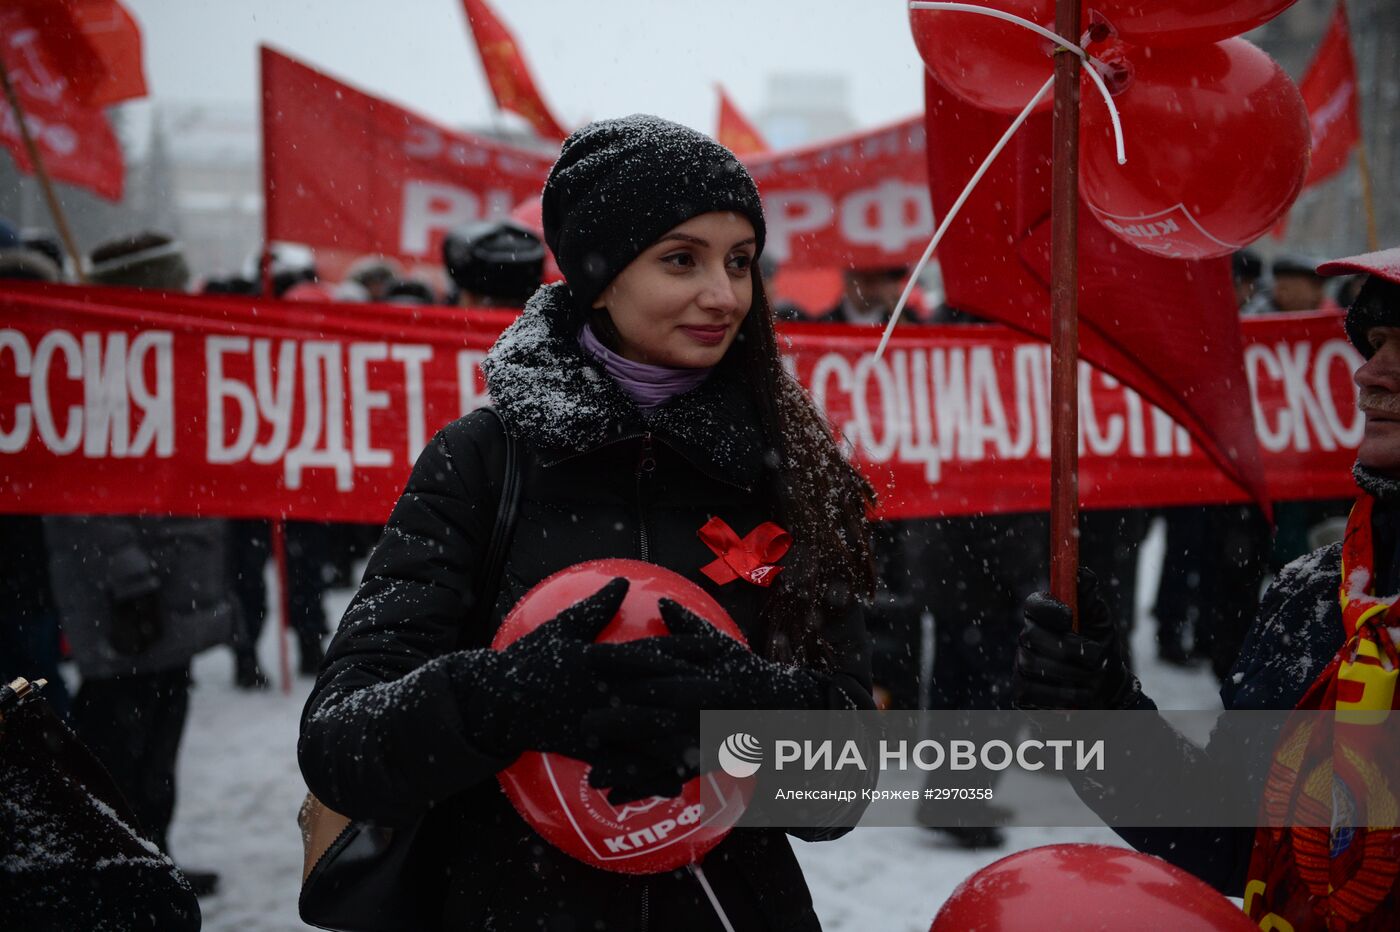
(129, 601)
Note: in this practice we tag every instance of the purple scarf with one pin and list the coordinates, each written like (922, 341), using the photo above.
(647, 385)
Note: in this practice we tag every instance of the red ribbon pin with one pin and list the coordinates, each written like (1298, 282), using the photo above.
(753, 558)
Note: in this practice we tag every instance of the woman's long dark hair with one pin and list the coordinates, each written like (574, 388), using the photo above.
(823, 502)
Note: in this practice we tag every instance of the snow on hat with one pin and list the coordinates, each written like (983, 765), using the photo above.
(620, 184)
(1377, 304)
(142, 260)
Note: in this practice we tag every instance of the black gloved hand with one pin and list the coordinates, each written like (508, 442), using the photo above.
(532, 696)
(1057, 668)
(642, 753)
(708, 670)
(136, 623)
(649, 741)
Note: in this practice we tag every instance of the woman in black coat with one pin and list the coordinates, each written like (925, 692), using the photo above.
(648, 396)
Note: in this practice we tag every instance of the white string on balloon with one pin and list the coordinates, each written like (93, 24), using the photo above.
(953, 212)
(1058, 39)
(1016, 124)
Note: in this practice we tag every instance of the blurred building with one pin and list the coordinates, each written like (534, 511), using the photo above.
(212, 179)
(804, 108)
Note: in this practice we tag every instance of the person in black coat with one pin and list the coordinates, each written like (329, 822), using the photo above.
(649, 397)
(1298, 631)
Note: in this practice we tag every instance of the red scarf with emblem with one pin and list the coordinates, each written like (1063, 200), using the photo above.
(1312, 878)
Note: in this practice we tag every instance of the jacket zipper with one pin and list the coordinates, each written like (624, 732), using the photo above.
(602, 446)
(626, 437)
(646, 468)
(646, 906)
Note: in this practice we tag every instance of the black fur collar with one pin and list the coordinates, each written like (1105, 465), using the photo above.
(556, 397)
(1381, 488)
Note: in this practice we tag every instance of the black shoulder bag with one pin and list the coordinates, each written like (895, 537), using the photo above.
(361, 877)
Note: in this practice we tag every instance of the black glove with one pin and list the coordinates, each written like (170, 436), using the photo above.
(136, 623)
(1057, 668)
(711, 671)
(532, 696)
(662, 684)
(640, 753)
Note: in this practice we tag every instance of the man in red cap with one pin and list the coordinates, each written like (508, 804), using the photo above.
(1314, 645)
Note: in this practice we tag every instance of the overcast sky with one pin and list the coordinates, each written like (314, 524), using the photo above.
(597, 59)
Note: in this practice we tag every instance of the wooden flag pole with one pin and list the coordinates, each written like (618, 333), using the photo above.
(277, 525)
(60, 220)
(1064, 317)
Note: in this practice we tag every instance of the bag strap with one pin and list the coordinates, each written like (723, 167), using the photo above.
(504, 529)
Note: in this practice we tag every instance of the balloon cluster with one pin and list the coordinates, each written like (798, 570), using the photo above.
(551, 792)
(1217, 134)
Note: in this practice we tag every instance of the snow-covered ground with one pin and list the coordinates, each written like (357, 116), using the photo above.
(240, 789)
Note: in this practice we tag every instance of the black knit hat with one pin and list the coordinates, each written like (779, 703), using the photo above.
(620, 184)
(499, 259)
(142, 260)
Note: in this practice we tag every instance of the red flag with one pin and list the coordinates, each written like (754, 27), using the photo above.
(734, 131)
(1166, 327)
(115, 37)
(375, 178)
(1329, 90)
(72, 136)
(507, 72)
(93, 45)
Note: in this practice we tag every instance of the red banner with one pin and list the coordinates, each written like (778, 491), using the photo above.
(861, 201)
(123, 401)
(73, 137)
(352, 175)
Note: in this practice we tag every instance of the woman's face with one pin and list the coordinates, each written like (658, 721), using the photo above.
(681, 301)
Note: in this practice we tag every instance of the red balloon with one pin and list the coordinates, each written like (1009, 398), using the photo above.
(1086, 887)
(551, 791)
(1186, 22)
(1217, 142)
(987, 62)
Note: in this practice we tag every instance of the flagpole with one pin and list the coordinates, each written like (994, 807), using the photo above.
(1064, 317)
(277, 525)
(45, 184)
